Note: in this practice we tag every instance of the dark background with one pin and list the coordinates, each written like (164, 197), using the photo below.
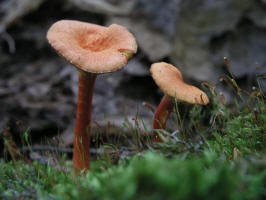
(38, 89)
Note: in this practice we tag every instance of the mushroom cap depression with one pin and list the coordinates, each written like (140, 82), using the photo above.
(170, 80)
(92, 48)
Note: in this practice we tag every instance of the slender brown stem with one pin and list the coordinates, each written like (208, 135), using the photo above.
(81, 155)
(162, 114)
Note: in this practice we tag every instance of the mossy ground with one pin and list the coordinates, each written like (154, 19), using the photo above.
(221, 154)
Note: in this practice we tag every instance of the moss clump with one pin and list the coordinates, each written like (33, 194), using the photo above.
(150, 176)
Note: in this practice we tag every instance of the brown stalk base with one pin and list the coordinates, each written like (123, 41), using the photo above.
(81, 155)
(162, 114)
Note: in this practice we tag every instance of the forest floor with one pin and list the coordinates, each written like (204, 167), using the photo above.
(217, 152)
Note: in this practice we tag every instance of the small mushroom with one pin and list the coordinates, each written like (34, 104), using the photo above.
(170, 81)
(93, 50)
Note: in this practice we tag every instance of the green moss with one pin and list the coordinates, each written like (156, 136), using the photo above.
(150, 176)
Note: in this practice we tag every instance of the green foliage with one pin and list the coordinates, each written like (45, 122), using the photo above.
(240, 134)
(237, 131)
(150, 176)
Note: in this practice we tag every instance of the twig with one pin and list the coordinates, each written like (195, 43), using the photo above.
(228, 67)
(70, 150)
(149, 106)
(46, 148)
(10, 41)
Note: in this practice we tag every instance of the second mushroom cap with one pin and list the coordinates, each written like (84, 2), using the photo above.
(170, 80)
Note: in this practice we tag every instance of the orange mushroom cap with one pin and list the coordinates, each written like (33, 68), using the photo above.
(92, 48)
(170, 80)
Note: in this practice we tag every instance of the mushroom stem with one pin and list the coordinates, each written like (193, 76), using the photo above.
(81, 155)
(162, 114)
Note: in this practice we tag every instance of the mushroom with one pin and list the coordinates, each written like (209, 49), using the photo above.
(93, 50)
(170, 81)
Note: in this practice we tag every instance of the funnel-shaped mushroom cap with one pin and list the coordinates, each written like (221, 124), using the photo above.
(90, 47)
(170, 80)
